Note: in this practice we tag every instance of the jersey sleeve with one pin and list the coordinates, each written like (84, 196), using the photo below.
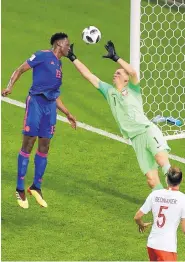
(103, 88)
(147, 206)
(136, 88)
(36, 59)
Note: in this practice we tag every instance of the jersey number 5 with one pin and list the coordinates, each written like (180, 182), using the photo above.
(161, 215)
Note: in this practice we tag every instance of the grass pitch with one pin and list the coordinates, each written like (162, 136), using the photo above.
(92, 184)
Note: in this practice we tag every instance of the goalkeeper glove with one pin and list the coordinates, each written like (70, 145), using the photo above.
(71, 55)
(111, 51)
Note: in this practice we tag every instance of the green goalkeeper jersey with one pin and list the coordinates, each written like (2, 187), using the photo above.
(127, 108)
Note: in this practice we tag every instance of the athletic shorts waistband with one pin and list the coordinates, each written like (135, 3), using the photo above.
(43, 99)
(146, 127)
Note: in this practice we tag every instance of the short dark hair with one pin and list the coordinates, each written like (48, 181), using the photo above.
(174, 176)
(57, 36)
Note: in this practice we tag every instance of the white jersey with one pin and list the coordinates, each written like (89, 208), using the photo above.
(168, 207)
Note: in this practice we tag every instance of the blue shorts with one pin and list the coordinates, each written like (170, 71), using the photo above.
(40, 116)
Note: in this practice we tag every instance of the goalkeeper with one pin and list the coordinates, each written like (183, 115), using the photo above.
(125, 101)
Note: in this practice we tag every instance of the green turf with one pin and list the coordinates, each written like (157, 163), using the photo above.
(93, 185)
(93, 192)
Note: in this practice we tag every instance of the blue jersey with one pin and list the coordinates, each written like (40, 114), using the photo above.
(47, 75)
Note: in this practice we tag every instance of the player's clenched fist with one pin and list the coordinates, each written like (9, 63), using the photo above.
(6, 92)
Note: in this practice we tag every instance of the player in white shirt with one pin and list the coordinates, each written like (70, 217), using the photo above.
(168, 208)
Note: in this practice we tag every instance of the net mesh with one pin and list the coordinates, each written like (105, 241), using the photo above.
(163, 62)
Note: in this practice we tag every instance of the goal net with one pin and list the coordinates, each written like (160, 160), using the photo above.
(159, 55)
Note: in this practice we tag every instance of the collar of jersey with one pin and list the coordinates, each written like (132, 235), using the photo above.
(123, 89)
(172, 188)
(54, 54)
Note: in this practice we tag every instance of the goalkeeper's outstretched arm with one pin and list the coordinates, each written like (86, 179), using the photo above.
(127, 67)
(130, 71)
(84, 71)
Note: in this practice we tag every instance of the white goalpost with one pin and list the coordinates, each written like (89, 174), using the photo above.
(157, 52)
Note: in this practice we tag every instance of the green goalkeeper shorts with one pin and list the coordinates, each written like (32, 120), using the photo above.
(147, 145)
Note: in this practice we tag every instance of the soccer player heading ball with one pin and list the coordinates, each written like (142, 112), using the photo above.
(125, 101)
(40, 116)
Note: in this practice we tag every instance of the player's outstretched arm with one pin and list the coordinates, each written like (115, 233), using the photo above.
(84, 71)
(130, 70)
(127, 67)
(14, 77)
(64, 110)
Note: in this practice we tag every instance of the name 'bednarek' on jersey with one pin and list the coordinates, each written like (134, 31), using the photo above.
(168, 208)
(47, 75)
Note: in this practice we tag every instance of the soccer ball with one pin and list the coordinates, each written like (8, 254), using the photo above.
(91, 35)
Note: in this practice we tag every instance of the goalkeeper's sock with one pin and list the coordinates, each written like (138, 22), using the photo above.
(23, 160)
(166, 168)
(157, 187)
(40, 166)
